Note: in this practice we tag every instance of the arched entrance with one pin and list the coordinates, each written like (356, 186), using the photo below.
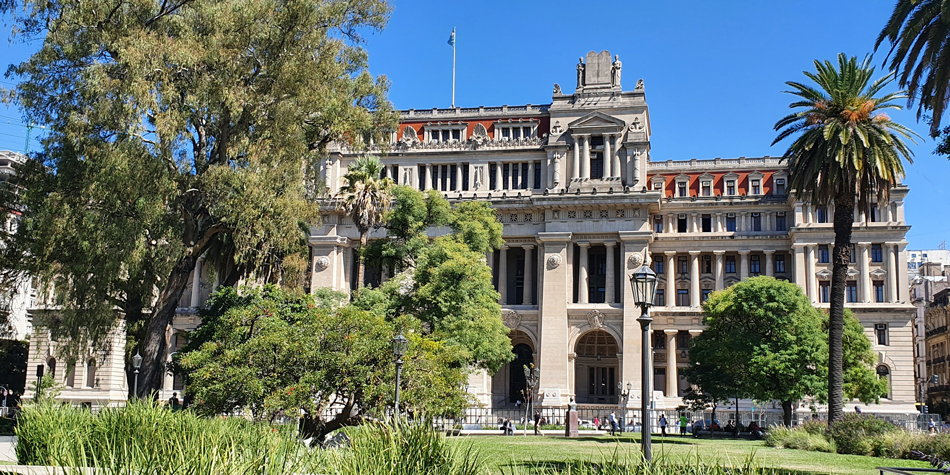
(596, 368)
(509, 383)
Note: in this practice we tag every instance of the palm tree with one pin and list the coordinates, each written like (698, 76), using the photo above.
(365, 197)
(919, 35)
(849, 153)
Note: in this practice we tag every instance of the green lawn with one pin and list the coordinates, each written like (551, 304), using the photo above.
(503, 452)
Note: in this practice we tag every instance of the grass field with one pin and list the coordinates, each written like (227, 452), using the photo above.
(502, 453)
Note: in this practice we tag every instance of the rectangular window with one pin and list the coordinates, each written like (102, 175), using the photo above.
(872, 214)
(505, 133)
(456, 135)
(756, 187)
(491, 177)
(659, 340)
(852, 254)
(779, 264)
(505, 173)
(658, 264)
(730, 188)
(754, 266)
(823, 254)
(684, 267)
(537, 175)
(779, 186)
(659, 299)
(658, 224)
(877, 253)
(756, 221)
(851, 291)
(780, 224)
(731, 222)
(682, 297)
(878, 291)
(822, 214)
(730, 264)
(880, 331)
(705, 295)
(823, 291)
(681, 187)
(707, 188)
(707, 264)
(681, 225)
(707, 223)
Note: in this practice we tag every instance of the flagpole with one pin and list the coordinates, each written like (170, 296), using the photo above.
(453, 71)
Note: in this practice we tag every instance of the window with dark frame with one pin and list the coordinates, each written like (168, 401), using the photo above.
(851, 291)
(681, 224)
(880, 331)
(657, 224)
(823, 254)
(879, 291)
(659, 299)
(730, 264)
(658, 264)
(823, 291)
(754, 267)
(780, 224)
(683, 265)
(756, 221)
(877, 253)
(731, 222)
(682, 297)
(707, 223)
(779, 264)
(707, 264)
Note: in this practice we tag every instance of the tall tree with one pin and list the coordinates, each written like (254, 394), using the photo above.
(847, 152)
(178, 130)
(366, 199)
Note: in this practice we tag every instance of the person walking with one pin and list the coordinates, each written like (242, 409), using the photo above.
(613, 424)
(684, 421)
(537, 421)
(663, 424)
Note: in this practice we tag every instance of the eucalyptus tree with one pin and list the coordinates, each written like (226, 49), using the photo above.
(178, 129)
(848, 153)
(365, 197)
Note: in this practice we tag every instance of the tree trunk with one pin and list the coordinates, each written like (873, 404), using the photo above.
(787, 413)
(841, 258)
(154, 346)
(360, 263)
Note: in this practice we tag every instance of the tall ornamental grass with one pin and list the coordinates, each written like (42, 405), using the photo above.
(619, 462)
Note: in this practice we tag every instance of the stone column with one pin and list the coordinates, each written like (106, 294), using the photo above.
(585, 157)
(428, 182)
(530, 178)
(527, 293)
(576, 162)
(582, 284)
(554, 335)
(769, 268)
(511, 176)
(719, 225)
(458, 177)
(743, 224)
(498, 176)
(196, 284)
(743, 265)
(890, 249)
(864, 277)
(670, 278)
(720, 275)
(694, 222)
(503, 274)
(672, 378)
(694, 278)
(671, 223)
(607, 160)
(615, 156)
(609, 287)
(812, 284)
(902, 274)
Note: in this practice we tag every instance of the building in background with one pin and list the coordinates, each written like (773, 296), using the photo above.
(916, 260)
(16, 299)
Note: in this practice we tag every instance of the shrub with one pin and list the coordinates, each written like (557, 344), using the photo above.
(814, 427)
(858, 433)
(797, 438)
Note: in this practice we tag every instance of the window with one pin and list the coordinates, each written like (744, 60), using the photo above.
(71, 375)
(780, 224)
(731, 222)
(684, 267)
(658, 264)
(730, 264)
(681, 225)
(823, 253)
(682, 297)
(756, 187)
(681, 189)
(659, 299)
(851, 291)
(878, 291)
(516, 132)
(872, 214)
(823, 291)
(730, 188)
(822, 214)
(880, 331)
(705, 295)
(754, 266)
(779, 264)
(779, 186)
(852, 254)
(707, 223)
(756, 221)
(706, 188)
(659, 340)
(445, 135)
(658, 224)
(91, 374)
(707, 264)
(877, 253)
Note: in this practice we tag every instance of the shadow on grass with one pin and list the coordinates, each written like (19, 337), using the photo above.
(634, 440)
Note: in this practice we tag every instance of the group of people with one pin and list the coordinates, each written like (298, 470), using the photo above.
(508, 427)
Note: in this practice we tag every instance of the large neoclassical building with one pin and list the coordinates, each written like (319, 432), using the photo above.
(582, 200)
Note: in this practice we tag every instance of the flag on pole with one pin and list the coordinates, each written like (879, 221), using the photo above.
(452, 38)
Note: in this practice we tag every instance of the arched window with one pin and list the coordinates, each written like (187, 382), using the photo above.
(91, 373)
(884, 372)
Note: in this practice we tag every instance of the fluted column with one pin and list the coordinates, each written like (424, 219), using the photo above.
(720, 277)
(196, 284)
(672, 378)
(670, 278)
(892, 271)
(503, 274)
(609, 290)
(458, 177)
(428, 181)
(585, 157)
(528, 291)
(694, 222)
(498, 176)
(583, 285)
(607, 161)
(811, 283)
(576, 162)
(769, 268)
(615, 157)
(693, 278)
(743, 265)
(864, 278)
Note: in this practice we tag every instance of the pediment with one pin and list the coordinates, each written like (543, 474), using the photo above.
(823, 274)
(596, 122)
(852, 272)
(731, 176)
(707, 177)
(878, 273)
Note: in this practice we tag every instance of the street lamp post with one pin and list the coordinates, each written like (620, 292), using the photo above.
(643, 282)
(531, 377)
(399, 349)
(624, 399)
(137, 364)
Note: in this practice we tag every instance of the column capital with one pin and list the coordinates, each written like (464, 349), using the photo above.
(527, 247)
(504, 247)
(610, 243)
(670, 331)
(769, 252)
(693, 333)
(719, 253)
(669, 253)
(695, 253)
(744, 252)
(583, 244)
(863, 244)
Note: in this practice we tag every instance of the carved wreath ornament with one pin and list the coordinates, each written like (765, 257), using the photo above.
(554, 261)
(511, 319)
(634, 261)
(322, 263)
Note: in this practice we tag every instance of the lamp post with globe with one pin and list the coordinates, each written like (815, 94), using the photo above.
(399, 349)
(137, 364)
(643, 282)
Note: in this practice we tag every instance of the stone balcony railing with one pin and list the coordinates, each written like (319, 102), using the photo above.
(475, 142)
(480, 111)
(714, 164)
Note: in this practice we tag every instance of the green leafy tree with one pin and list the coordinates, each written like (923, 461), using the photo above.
(271, 352)
(846, 152)
(179, 130)
(764, 339)
(366, 199)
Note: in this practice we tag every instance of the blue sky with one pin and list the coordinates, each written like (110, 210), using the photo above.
(714, 71)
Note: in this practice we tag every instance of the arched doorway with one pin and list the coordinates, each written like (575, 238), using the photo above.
(509, 382)
(596, 368)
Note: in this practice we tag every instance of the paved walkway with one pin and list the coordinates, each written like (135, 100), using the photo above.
(6, 448)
